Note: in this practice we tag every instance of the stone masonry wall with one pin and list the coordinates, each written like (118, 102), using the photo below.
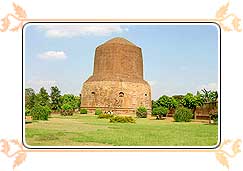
(116, 96)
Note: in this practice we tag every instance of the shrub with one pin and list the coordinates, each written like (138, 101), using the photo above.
(48, 109)
(83, 111)
(161, 111)
(214, 117)
(69, 99)
(67, 110)
(105, 116)
(98, 111)
(39, 112)
(27, 112)
(122, 119)
(66, 107)
(141, 112)
(183, 115)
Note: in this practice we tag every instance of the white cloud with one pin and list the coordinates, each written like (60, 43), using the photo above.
(209, 86)
(52, 55)
(69, 31)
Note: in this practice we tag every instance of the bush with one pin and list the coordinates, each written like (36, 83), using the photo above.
(67, 110)
(183, 115)
(48, 109)
(105, 116)
(122, 119)
(27, 112)
(161, 111)
(39, 112)
(83, 111)
(66, 107)
(213, 117)
(98, 111)
(141, 112)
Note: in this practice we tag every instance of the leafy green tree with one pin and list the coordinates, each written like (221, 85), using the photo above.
(55, 98)
(160, 111)
(213, 96)
(70, 100)
(29, 98)
(178, 97)
(42, 98)
(210, 96)
(78, 102)
(154, 104)
(168, 102)
(192, 101)
(174, 103)
(163, 101)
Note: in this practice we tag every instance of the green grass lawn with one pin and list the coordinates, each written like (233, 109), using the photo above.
(86, 130)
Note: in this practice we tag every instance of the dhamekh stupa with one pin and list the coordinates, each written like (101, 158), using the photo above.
(117, 82)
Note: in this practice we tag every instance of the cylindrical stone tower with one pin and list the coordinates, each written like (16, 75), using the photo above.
(117, 83)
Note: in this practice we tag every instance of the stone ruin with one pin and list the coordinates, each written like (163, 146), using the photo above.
(117, 83)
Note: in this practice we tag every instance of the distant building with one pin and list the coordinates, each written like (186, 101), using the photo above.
(117, 82)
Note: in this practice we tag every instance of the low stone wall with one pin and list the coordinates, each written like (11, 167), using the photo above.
(201, 112)
(204, 111)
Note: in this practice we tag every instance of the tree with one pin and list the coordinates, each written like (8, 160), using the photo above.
(55, 98)
(69, 99)
(178, 98)
(168, 102)
(160, 111)
(154, 104)
(42, 98)
(78, 102)
(210, 96)
(213, 96)
(173, 103)
(190, 101)
(29, 98)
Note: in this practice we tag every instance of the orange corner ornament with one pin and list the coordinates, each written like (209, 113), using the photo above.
(19, 155)
(222, 17)
(223, 156)
(19, 15)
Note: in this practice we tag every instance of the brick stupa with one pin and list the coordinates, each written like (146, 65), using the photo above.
(117, 82)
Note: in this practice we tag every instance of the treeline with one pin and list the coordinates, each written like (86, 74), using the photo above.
(40, 105)
(165, 103)
(53, 102)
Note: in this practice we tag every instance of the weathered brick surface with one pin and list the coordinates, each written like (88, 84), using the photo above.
(117, 82)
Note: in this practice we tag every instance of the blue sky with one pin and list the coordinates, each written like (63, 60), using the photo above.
(177, 58)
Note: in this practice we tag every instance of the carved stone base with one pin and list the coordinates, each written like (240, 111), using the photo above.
(118, 97)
